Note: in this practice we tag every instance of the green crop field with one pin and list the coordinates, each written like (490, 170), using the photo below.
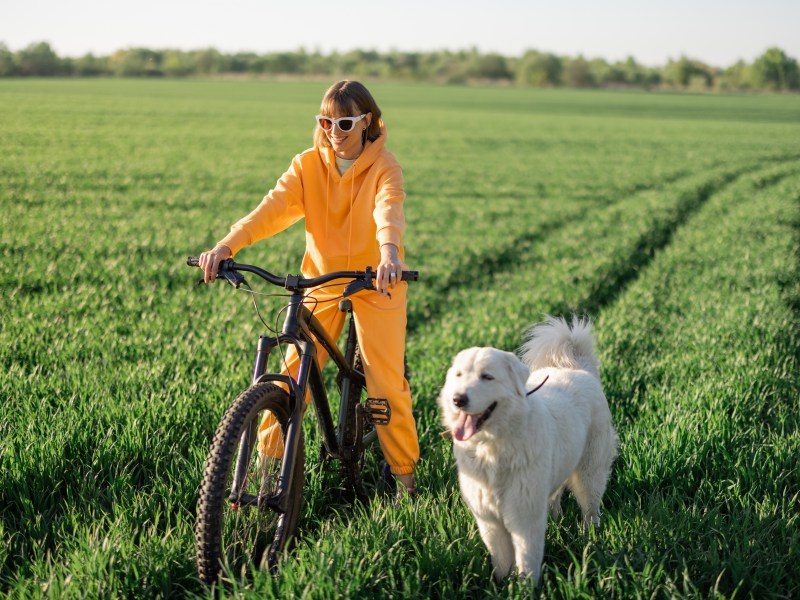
(673, 220)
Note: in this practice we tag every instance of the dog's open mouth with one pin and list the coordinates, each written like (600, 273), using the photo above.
(468, 425)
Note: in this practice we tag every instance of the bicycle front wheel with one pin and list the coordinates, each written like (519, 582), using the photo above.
(235, 530)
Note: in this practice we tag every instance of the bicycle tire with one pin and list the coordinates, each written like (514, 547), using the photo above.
(234, 536)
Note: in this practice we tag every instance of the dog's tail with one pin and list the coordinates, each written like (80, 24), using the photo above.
(555, 343)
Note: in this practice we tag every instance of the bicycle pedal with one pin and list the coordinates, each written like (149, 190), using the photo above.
(377, 411)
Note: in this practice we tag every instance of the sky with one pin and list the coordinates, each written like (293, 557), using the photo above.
(717, 32)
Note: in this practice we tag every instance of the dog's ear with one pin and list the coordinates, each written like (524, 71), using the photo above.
(518, 372)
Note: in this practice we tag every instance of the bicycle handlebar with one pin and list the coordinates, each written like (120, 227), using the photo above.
(296, 282)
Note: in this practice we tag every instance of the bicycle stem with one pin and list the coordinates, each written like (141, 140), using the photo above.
(290, 323)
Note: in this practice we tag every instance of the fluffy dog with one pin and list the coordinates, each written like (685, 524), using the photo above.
(517, 450)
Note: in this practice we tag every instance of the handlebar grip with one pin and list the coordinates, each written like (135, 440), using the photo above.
(193, 261)
(410, 276)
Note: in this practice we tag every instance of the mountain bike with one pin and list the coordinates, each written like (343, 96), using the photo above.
(250, 501)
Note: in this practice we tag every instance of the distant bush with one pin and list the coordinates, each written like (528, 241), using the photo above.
(774, 70)
(737, 77)
(38, 59)
(578, 73)
(7, 65)
(687, 73)
(136, 62)
(490, 66)
(90, 66)
(539, 69)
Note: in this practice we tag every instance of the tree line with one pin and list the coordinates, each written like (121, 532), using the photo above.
(774, 70)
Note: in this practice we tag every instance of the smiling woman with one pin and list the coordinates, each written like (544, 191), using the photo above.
(349, 190)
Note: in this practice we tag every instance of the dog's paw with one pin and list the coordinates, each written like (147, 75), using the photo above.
(591, 521)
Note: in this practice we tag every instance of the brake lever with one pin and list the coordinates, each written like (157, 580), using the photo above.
(234, 278)
(356, 286)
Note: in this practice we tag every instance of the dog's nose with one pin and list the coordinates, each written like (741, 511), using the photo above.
(460, 400)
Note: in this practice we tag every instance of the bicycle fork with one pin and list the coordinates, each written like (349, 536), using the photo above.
(306, 351)
(250, 435)
(249, 439)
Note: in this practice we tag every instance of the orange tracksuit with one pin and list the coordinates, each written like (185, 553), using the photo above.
(347, 218)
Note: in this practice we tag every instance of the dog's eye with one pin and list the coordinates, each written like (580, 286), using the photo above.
(487, 377)
(458, 373)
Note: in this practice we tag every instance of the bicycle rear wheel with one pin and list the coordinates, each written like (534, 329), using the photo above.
(355, 430)
(235, 530)
(360, 434)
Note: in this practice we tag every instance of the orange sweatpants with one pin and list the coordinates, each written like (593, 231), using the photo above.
(381, 330)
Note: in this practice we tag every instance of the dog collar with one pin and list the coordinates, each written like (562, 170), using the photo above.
(538, 386)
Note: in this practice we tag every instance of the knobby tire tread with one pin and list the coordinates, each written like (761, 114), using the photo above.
(212, 500)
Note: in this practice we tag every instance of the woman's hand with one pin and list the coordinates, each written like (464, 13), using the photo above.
(210, 260)
(390, 270)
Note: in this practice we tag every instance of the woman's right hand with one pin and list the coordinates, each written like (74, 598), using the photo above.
(210, 261)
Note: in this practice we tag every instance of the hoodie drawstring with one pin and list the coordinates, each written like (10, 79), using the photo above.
(327, 200)
(350, 218)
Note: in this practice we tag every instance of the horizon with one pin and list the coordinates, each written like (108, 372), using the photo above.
(383, 52)
(715, 33)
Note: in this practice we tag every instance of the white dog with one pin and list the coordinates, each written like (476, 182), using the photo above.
(518, 445)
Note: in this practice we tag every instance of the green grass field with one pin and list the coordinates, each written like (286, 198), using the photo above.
(672, 220)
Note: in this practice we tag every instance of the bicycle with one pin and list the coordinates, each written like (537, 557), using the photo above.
(248, 508)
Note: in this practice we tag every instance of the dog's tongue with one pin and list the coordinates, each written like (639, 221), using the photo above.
(465, 427)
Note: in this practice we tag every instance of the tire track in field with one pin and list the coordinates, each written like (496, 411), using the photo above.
(626, 380)
(508, 257)
(790, 290)
(604, 291)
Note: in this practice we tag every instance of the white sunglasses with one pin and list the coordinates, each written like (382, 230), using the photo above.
(343, 123)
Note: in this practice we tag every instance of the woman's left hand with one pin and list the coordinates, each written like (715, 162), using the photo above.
(390, 270)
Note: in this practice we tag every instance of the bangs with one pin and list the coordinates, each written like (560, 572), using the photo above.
(339, 104)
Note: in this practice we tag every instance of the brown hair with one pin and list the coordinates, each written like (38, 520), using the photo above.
(348, 98)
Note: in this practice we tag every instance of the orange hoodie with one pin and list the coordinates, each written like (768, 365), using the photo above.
(347, 217)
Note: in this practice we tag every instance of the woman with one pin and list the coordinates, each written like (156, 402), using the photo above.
(349, 190)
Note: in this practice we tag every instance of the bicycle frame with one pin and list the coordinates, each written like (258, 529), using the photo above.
(300, 329)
